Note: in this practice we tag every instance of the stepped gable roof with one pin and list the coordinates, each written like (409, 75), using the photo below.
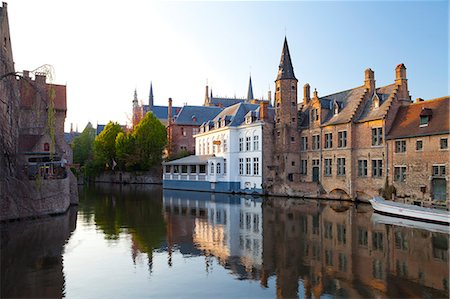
(384, 94)
(225, 102)
(237, 113)
(196, 115)
(285, 69)
(407, 120)
(190, 160)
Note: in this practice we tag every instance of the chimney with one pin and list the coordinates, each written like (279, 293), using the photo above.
(263, 110)
(169, 112)
(40, 78)
(402, 83)
(418, 100)
(306, 94)
(26, 74)
(369, 81)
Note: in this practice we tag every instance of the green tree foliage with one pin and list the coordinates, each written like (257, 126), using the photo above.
(150, 139)
(125, 152)
(105, 144)
(83, 145)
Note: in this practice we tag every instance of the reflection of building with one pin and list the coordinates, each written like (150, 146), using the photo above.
(336, 250)
(226, 227)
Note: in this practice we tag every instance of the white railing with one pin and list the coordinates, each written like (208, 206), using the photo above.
(185, 177)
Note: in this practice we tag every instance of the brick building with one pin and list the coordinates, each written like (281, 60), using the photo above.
(418, 151)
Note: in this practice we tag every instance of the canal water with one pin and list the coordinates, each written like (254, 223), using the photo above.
(142, 241)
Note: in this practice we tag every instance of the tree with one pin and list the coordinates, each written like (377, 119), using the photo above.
(83, 145)
(125, 152)
(105, 144)
(150, 139)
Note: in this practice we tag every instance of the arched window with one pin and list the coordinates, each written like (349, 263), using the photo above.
(212, 168)
(218, 170)
(46, 147)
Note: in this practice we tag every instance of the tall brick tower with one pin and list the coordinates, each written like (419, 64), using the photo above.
(287, 149)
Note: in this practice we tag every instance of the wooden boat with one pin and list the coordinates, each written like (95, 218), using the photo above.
(408, 211)
(410, 223)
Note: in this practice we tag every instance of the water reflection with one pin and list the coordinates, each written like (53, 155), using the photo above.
(141, 241)
(31, 256)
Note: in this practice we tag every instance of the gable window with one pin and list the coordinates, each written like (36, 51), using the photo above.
(419, 145)
(444, 143)
(362, 168)
(377, 136)
(316, 142)
(328, 140)
(377, 168)
(400, 146)
(424, 121)
(400, 173)
(342, 139)
(340, 166)
(314, 115)
(304, 143)
(328, 167)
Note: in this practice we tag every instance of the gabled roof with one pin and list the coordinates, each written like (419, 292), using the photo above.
(285, 69)
(237, 113)
(225, 102)
(407, 119)
(196, 115)
(369, 113)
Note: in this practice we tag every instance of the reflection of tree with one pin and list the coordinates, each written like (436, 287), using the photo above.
(120, 209)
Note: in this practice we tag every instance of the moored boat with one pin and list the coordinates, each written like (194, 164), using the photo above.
(409, 211)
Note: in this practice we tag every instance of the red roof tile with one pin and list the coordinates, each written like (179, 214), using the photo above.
(407, 120)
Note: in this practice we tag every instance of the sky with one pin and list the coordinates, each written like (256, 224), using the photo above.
(104, 50)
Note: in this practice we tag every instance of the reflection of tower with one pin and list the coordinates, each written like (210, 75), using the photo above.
(169, 238)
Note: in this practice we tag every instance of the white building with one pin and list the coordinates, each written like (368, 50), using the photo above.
(228, 153)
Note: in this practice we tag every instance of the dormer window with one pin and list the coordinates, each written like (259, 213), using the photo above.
(248, 120)
(425, 116)
(217, 124)
(376, 101)
(314, 115)
(223, 124)
(336, 108)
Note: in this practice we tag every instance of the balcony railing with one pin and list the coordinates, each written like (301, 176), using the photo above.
(185, 176)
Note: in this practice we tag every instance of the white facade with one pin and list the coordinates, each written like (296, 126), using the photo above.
(237, 150)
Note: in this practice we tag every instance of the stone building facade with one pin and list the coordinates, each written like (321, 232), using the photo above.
(419, 154)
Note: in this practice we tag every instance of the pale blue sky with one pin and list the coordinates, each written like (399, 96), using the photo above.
(103, 50)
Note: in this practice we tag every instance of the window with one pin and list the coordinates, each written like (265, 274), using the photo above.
(377, 241)
(377, 269)
(328, 169)
(444, 143)
(248, 169)
(314, 115)
(225, 148)
(342, 262)
(183, 131)
(341, 234)
(241, 144)
(400, 146)
(377, 136)
(184, 169)
(212, 168)
(377, 168)
(248, 143)
(218, 168)
(328, 140)
(424, 120)
(304, 143)
(316, 142)
(207, 148)
(224, 166)
(419, 145)
(438, 170)
(202, 169)
(255, 166)
(304, 167)
(341, 166)
(192, 168)
(400, 173)
(293, 163)
(292, 139)
(342, 139)
(328, 230)
(362, 236)
(194, 131)
(328, 258)
(46, 147)
(362, 168)
(241, 166)
(256, 143)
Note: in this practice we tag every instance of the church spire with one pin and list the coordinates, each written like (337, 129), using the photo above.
(285, 69)
(150, 97)
(250, 90)
(135, 100)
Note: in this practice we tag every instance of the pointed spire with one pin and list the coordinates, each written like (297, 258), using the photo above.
(150, 97)
(285, 69)
(135, 95)
(250, 90)
(210, 94)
